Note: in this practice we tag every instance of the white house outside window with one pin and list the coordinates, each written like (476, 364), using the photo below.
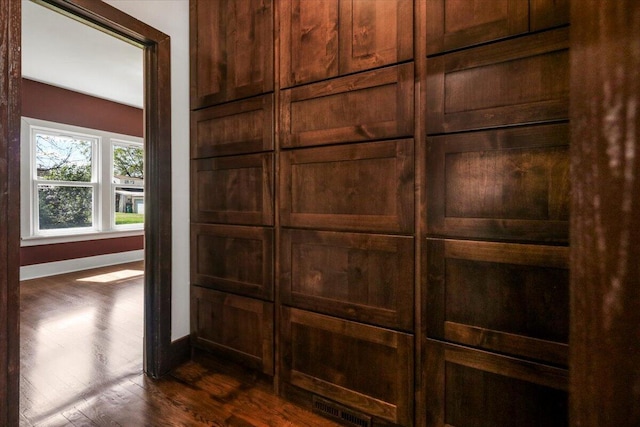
(80, 181)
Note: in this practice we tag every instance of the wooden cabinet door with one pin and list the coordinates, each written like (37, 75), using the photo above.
(235, 128)
(363, 367)
(374, 33)
(548, 13)
(231, 50)
(235, 327)
(233, 258)
(517, 81)
(367, 106)
(363, 277)
(500, 184)
(321, 39)
(356, 187)
(233, 190)
(503, 297)
(472, 388)
(308, 41)
(453, 24)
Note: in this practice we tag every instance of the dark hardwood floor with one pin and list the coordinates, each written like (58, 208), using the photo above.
(81, 364)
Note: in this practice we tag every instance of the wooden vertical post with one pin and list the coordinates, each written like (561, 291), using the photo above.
(10, 76)
(605, 224)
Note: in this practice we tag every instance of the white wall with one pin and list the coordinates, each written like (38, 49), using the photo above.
(172, 18)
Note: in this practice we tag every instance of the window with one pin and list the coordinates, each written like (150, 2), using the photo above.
(64, 181)
(80, 181)
(128, 183)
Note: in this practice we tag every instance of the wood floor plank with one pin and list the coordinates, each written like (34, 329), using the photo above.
(81, 365)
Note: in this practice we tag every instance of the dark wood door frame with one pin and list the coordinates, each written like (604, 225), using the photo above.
(157, 112)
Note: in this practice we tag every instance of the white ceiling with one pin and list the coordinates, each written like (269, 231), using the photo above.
(63, 52)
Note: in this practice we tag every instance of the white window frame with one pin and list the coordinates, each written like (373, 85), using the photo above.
(102, 184)
(36, 182)
(121, 143)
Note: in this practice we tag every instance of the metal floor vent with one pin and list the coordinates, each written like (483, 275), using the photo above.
(340, 413)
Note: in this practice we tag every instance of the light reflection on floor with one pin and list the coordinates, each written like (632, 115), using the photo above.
(78, 337)
(112, 277)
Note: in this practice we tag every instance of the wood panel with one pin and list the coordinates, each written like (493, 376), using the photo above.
(363, 277)
(605, 221)
(233, 190)
(515, 81)
(233, 259)
(453, 24)
(374, 34)
(231, 50)
(236, 128)
(364, 367)
(472, 388)
(367, 187)
(548, 13)
(367, 106)
(10, 94)
(236, 327)
(500, 184)
(504, 297)
(328, 38)
(308, 41)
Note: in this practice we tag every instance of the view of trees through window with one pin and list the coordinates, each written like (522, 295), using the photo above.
(64, 175)
(67, 181)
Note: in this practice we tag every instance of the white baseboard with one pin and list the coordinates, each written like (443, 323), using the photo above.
(60, 267)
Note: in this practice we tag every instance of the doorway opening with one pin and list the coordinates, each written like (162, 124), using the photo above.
(157, 157)
(157, 235)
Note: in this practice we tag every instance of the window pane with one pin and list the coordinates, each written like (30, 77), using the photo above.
(129, 206)
(128, 164)
(63, 207)
(63, 158)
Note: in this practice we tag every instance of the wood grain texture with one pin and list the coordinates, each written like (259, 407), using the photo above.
(474, 388)
(364, 367)
(363, 277)
(239, 127)
(548, 14)
(82, 364)
(308, 41)
(454, 24)
(233, 190)
(605, 225)
(234, 259)
(521, 80)
(363, 107)
(365, 187)
(235, 327)
(231, 50)
(500, 184)
(374, 34)
(504, 297)
(10, 96)
(329, 38)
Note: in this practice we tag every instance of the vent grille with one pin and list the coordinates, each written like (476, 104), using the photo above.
(340, 413)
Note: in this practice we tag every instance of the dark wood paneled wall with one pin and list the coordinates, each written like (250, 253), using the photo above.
(605, 225)
(396, 198)
(233, 180)
(495, 290)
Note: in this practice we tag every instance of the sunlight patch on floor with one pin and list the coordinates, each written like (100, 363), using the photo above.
(113, 276)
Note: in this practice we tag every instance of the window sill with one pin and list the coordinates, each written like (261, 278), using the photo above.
(79, 237)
